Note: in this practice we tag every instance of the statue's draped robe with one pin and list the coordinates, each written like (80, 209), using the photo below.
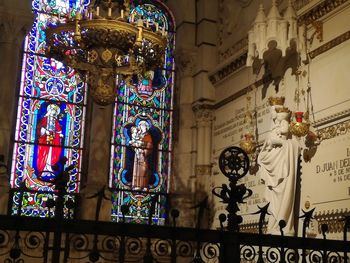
(278, 170)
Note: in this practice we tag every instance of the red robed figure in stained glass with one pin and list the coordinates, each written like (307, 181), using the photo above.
(50, 135)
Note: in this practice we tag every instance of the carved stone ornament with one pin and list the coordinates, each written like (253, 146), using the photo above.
(203, 112)
(14, 25)
(334, 130)
(274, 41)
(228, 69)
(203, 169)
(273, 27)
(330, 44)
(239, 47)
(333, 219)
(252, 227)
(185, 59)
(318, 11)
(312, 15)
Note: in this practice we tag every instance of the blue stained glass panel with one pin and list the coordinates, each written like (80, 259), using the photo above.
(155, 91)
(59, 7)
(50, 119)
(141, 149)
(127, 120)
(46, 78)
(139, 208)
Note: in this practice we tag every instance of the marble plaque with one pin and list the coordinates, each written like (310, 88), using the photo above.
(326, 178)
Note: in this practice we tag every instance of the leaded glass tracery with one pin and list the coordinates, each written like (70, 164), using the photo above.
(50, 117)
(142, 126)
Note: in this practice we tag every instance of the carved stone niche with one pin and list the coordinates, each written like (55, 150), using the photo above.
(275, 43)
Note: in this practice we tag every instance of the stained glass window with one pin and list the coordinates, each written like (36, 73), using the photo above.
(142, 129)
(50, 118)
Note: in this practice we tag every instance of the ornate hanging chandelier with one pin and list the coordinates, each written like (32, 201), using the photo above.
(107, 44)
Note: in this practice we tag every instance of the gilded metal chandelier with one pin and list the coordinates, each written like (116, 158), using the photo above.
(107, 44)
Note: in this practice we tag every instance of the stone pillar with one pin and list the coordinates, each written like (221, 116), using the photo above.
(205, 41)
(99, 161)
(183, 182)
(15, 20)
(204, 118)
(196, 55)
(204, 95)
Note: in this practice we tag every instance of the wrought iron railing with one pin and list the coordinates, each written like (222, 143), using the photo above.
(35, 240)
(58, 239)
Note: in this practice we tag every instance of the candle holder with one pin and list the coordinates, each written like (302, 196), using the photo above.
(248, 143)
(298, 127)
(107, 42)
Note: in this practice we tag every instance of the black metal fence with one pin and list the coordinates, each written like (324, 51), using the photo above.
(35, 240)
(58, 239)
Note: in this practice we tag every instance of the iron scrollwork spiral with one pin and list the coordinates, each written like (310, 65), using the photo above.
(273, 255)
(322, 256)
(162, 248)
(248, 253)
(79, 242)
(109, 244)
(315, 256)
(185, 249)
(210, 250)
(291, 255)
(134, 246)
(4, 240)
(334, 257)
(34, 240)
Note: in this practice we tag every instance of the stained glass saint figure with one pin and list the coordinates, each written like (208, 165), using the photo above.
(50, 136)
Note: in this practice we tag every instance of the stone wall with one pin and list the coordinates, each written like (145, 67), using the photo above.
(325, 170)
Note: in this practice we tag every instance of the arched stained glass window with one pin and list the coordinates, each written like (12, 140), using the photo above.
(50, 118)
(142, 127)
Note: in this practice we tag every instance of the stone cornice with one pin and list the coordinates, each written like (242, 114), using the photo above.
(332, 118)
(228, 69)
(334, 130)
(239, 47)
(330, 44)
(319, 11)
(202, 104)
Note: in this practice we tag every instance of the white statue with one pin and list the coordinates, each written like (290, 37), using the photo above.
(277, 162)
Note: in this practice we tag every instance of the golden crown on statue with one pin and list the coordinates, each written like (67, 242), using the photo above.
(282, 109)
(273, 101)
